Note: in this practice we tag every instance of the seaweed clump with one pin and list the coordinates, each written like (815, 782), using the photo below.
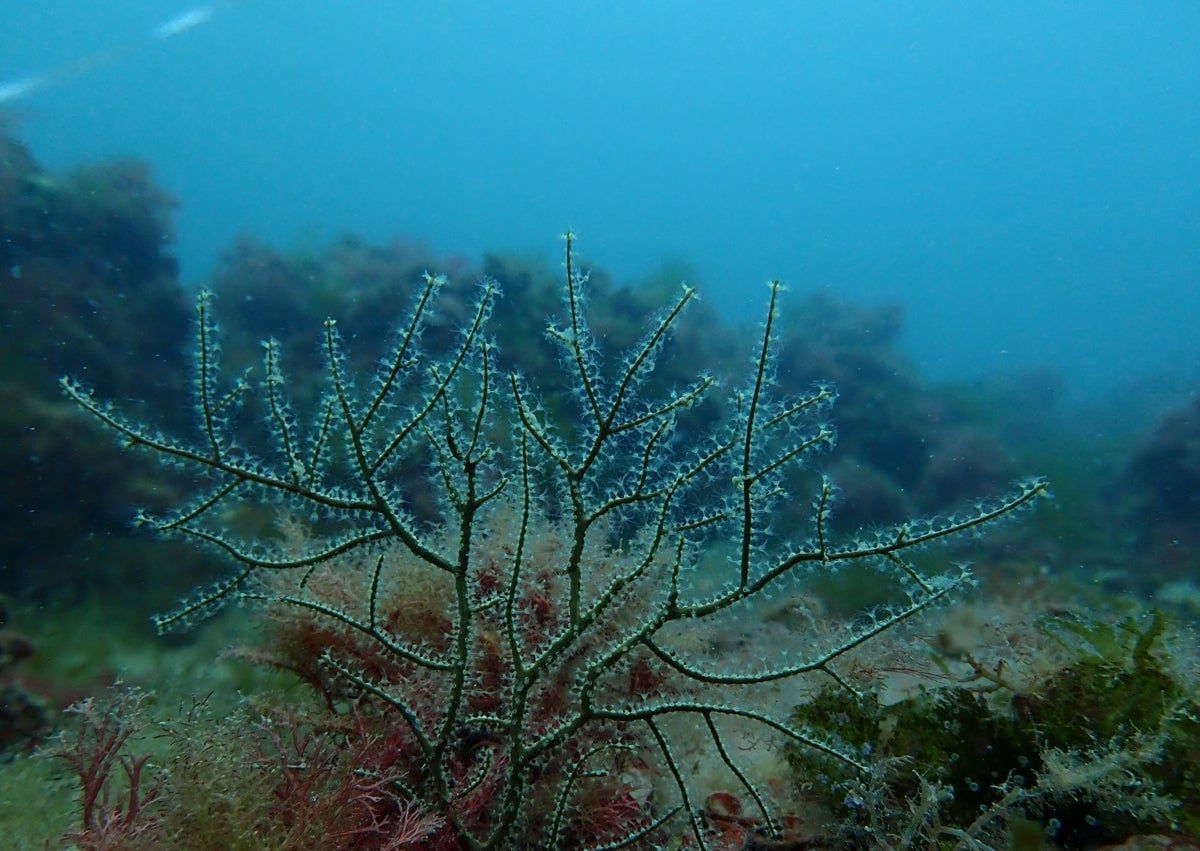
(88, 283)
(1100, 744)
(24, 716)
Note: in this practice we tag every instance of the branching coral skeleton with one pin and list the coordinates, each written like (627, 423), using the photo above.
(526, 647)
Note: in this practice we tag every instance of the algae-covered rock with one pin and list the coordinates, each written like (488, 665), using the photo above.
(87, 282)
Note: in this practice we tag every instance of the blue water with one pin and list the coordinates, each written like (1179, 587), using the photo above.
(1023, 177)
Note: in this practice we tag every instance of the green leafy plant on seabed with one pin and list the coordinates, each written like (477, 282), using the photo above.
(535, 660)
(1090, 748)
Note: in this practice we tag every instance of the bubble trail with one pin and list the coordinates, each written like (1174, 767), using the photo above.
(23, 86)
(183, 22)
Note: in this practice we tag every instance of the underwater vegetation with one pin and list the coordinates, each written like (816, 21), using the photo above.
(1088, 735)
(498, 580)
(87, 286)
(90, 288)
(23, 715)
(530, 668)
(1161, 482)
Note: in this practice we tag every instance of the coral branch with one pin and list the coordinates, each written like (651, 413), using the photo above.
(527, 654)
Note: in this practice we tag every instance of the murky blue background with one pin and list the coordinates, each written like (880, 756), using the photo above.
(1024, 177)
